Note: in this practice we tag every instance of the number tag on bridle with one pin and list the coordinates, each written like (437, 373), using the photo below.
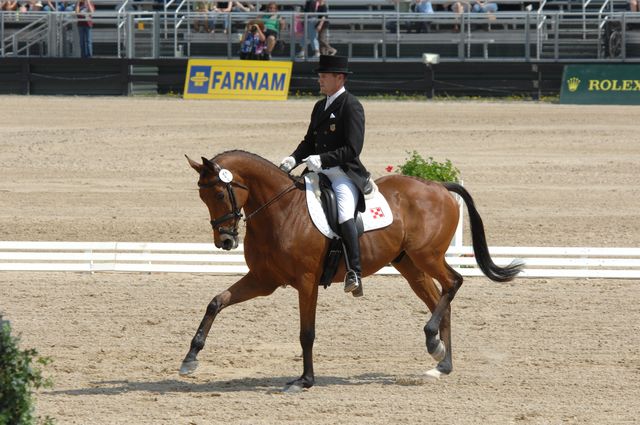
(225, 176)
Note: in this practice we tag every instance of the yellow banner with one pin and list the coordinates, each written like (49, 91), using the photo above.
(237, 79)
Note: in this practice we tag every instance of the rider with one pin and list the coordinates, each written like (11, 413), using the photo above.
(332, 145)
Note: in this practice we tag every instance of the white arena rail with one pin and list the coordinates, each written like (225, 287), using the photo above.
(570, 262)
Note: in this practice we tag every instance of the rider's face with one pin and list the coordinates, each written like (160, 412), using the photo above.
(330, 82)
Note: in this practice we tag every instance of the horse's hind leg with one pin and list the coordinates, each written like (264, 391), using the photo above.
(426, 289)
(450, 281)
(245, 289)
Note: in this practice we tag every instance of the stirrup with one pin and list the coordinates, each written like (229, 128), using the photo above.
(351, 281)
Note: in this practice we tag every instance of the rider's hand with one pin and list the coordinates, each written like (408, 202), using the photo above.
(313, 162)
(287, 164)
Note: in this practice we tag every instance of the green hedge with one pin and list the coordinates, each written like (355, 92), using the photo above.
(429, 169)
(18, 378)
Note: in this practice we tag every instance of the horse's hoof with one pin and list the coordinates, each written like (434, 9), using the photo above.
(293, 389)
(297, 386)
(434, 374)
(187, 368)
(439, 353)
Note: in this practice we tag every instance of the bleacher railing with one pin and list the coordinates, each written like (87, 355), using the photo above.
(383, 34)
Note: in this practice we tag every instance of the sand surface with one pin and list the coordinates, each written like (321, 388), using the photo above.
(535, 351)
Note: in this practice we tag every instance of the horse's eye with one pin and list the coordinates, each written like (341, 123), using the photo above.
(220, 196)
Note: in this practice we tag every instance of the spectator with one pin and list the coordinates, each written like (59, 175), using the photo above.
(10, 5)
(424, 7)
(220, 7)
(322, 27)
(634, 6)
(401, 7)
(200, 23)
(243, 6)
(35, 5)
(481, 6)
(272, 24)
(84, 9)
(459, 7)
(49, 6)
(311, 6)
(60, 6)
(252, 43)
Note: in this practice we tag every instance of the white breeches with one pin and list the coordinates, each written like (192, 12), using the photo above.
(346, 193)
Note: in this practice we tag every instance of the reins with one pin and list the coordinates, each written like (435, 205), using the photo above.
(274, 199)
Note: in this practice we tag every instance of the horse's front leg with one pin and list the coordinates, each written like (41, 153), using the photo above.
(307, 300)
(245, 289)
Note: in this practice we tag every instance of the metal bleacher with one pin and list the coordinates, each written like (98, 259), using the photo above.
(374, 30)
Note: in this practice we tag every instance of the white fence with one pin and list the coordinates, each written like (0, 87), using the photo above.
(621, 263)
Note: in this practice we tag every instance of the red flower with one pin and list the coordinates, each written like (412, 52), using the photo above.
(389, 168)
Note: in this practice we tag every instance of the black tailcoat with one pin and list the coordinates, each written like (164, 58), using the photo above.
(337, 135)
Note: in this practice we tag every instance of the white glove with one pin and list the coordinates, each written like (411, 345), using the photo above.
(313, 162)
(287, 164)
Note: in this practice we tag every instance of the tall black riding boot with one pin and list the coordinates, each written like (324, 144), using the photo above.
(353, 280)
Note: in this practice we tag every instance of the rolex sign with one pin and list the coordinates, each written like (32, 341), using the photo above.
(615, 84)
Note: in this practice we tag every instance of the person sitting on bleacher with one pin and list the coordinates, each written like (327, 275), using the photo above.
(35, 5)
(425, 7)
(62, 6)
(220, 7)
(272, 24)
(252, 43)
(243, 6)
(10, 5)
(634, 6)
(401, 7)
(481, 6)
(200, 23)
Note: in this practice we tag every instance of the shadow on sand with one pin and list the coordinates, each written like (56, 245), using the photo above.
(268, 385)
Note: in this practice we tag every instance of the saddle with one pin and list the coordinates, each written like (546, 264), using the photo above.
(336, 249)
(323, 210)
(330, 206)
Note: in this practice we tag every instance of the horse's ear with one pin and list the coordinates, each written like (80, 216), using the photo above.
(194, 165)
(210, 165)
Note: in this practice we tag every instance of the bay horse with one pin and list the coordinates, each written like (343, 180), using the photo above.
(283, 247)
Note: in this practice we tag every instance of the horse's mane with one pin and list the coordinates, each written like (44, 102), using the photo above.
(250, 155)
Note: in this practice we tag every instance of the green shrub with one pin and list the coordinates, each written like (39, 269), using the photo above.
(18, 378)
(429, 169)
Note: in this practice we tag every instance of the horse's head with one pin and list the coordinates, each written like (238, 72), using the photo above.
(219, 191)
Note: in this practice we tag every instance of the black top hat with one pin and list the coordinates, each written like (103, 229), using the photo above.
(337, 64)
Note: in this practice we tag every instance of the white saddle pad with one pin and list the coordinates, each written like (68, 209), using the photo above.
(376, 215)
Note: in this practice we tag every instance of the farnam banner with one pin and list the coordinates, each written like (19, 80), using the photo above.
(611, 84)
(237, 79)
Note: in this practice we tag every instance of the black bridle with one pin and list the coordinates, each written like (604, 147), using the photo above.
(234, 214)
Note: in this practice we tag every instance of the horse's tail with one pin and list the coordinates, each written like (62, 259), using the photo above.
(480, 248)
